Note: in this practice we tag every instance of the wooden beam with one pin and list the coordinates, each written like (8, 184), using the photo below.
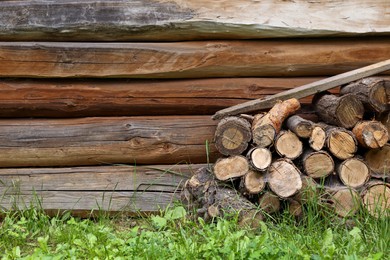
(174, 20)
(110, 140)
(305, 90)
(82, 190)
(190, 59)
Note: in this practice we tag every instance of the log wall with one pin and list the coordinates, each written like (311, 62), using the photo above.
(101, 87)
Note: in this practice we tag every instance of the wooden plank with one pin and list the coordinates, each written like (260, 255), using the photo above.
(190, 59)
(118, 97)
(306, 90)
(173, 20)
(110, 140)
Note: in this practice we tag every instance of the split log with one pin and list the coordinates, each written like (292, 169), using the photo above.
(269, 202)
(317, 164)
(287, 144)
(232, 135)
(260, 158)
(353, 172)
(301, 127)
(231, 167)
(317, 138)
(198, 59)
(341, 142)
(124, 97)
(252, 183)
(379, 161)
(344, 111)
(266, 126)
(122, 20)
(109, 140)
(374, 93)
(376, 199)
(371, 134)
(385, 120)
(284, 178)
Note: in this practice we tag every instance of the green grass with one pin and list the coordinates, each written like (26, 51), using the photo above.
(173, 235)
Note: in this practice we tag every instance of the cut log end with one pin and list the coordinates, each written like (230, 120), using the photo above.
(284, 178)
(269, 202)
(376, 199)
(353, 172)
(260, 158)
(254, 182)
(317, 138)
(288, 145)
(379, 161)
(301, 127)
(371, 134)
(349, 111)
(317, 164)
(341, 143)
(232, 167)
(345, 202)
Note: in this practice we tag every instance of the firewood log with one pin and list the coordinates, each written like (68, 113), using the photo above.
(371, 134)
(374, 93)
(317, 164)
(259, 158)
(231, 167)
(269, 202)
(301, 127)
(266, 126)
(253, 182)
(379, 161)
(232, 135)
(284, 178)
(309, 190)
(384, 118)
(376, 198)
(295, 208)
(287, 144)
(341, 142)
(317, 138)
(353, 172)
(344, 111)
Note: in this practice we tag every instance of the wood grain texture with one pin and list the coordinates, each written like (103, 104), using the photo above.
(122, 97)
(173, 20)
(92, 141)
(190, 59)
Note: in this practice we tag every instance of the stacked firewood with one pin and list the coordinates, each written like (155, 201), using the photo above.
(280, 158)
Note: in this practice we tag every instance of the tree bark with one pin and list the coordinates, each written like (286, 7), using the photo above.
(341, 143)
(344, 111)
(231, 167)
(379, 161)
(371, 134)
(260, 158)
(284, 178)
(376, 199)
(232, 135)
(301, 127)
(288, 145)
(317, 164)
(374, 93)
(353, 172)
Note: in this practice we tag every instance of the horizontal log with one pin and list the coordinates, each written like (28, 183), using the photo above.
(120, 97)
(160, 20)
(109, 140)
(190, 59)
(82, 190)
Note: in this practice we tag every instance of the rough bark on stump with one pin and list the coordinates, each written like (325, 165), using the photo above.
(260, 158)
(374, 93)
(269, 202)
(252, 183)
(371, 134)
(287, 144)
(301, 127)
(379, 161)
(317, 138)
(376, 198)
(317, 164)
(284, 178)
(341, 142)
(353, 172)
(266, 126)
(231, 167)
(344, 111)
(232, 135)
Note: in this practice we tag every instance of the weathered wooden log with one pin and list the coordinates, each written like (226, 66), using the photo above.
(308, 192)
(317, 164)
(340, 142)
(317, 138)
(384, 118)
(269, 202)
(231, 167)
(371, 134)
(379, 161)
(266, 126)
(284, 178)
(376, 199)
(252, 183)
(92, 141)
(124, 97)
(288, 145)
(198, 59)
(345, 201)
(122, 20)
(82, 190)
(301, 127)
(295, 208)
(344, 111)
(259, 158)
(374, 93)
(232, 135)
(353, 172)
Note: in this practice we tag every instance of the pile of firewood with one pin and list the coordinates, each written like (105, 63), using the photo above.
(279, 158)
